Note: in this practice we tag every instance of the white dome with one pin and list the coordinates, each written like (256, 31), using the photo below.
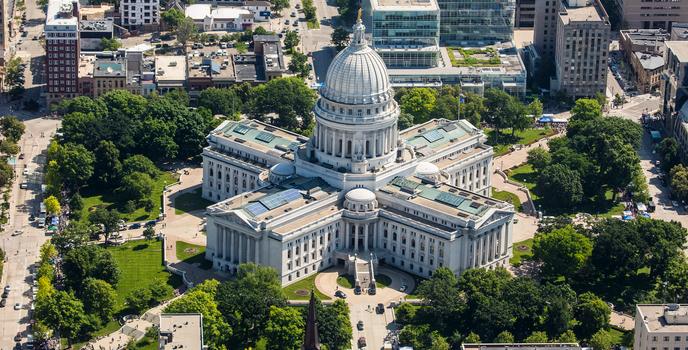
(427, 169)
(357, 75)
(282, 169)
(360, 195)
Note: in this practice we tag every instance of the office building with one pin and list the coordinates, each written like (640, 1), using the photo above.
(181, 331)
(62, 50)
(406, 33)
(5, 33)
(170, 73)
(92, 32)
(679, 32)
(476, 22)
(358, 192)
(521, 346)
(661, 327)
(651, 14)
(582, 47)
(643, 50)
(545, 30)
(140, 14)
(525, 14)
(675, 91)
(261, 10)
(209, 17)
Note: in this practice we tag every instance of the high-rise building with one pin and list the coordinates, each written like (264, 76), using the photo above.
(525, 13)
(651, 14)
(545, 27)
(674, 88)
(62, 49)
(140, 14)
(406, 33)
(582, 47)
(482, 22)
(5, 19)
(661, 326)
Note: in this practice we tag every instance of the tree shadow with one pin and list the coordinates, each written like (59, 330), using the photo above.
(140, 247)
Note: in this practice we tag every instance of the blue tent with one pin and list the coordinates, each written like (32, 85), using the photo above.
(656, 136)
(545, 120)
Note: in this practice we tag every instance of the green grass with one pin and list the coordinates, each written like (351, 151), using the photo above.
(303, 286)
(520, 255)
(140, 264)
(524, 174)
(313, 24)
(190, 201)
(504, 140)
(382, 281)
(346, 281)
(509, 197)
(621, 337)
(94, 198)
(192, 254)
(467, 59)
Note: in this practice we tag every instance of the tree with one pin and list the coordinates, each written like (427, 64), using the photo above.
(75, 165)
(221, 101)
(535, 108)
(48, 252)
(201, 299)
(11, 127)
(99, 298)
(279, 5)
(592, 314)
(136, 186)
(107, 167)
(139, 299)
(87, 261)
(539, 158)
(156, 139)
(6, 173)
(141, 164)
(473, 108)
(290, 98)
(618, 100)
(173, 17)
(73, 236)
(149, 233)
(504, 337)
(340, 38)
(602, 340)
(562, 252)
(619, 250)
(562, 184)
(14, 74)
(160, 290)
(405, 121)
(419, 102)
(63, 313)
(472, 338)
(108, 218)
(284, 330)
(9, 147)
(671, 154)
(299, 65)
(500, 106)
(601, 99)
(186, 29)
(405, 313)
(52, 205)
(291, 40)
(536, 337)
(675, 278)
(110, 44)
(567, 337)
(586, 109)
(679, 181)
(246, 302)
(442, 296)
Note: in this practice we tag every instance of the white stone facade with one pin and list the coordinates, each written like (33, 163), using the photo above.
(143, 14)
(415, 199)
(661, 327)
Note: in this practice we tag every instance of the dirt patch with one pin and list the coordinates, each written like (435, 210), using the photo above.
(523, 248)
(302, 292)
(191, 250)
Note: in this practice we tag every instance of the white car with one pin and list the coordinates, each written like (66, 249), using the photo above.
(402, 288)
(17, 306)
(25, 172)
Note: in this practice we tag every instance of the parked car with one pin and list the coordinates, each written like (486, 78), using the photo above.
(23, 185)
(25, 172)
(17, 306)
(293, 14)
(403, 288)
(357, 290)
(156, 40)
(135, 226)
(151, 223)
(340, 294)
(3, 302)
(361, 342)
(21, 155)
(380, 308)
(8, 288)
(17, 232)
(18, 337)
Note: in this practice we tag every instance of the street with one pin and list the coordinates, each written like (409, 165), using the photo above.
(22, 251)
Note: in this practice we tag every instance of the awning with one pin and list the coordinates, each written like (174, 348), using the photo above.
(545, 120)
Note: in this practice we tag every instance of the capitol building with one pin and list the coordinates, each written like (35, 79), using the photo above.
(358, 190)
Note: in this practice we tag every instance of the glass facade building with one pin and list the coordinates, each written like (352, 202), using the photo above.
(481, 22)
(406, 33)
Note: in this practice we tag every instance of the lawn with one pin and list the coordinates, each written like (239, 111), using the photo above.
(190, 201)
(502, 142)
(313, 24)
(347, 281)
(524, 174)
(193, 254)
(301, 290)
(94, 198)
(522, 250)
(140, 264)
(618, 337)
(509, 197)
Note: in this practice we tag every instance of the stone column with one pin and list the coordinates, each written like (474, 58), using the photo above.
(228, 244)
(356, 237)
(257, 242)
(334, 138)
(218, 240)
(346, 235)
(365, 237)
(241, 252)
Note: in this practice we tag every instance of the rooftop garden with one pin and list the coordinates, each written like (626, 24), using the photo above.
(461, 57)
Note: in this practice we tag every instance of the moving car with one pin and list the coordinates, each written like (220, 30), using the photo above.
(17, 306)
(24, 185)
(17, 232)
(25, 172)
(403, 288)
(3, 302)
(340, 294)
(359, 325)
(18, 337)
(134, 226)
(151, 223)
(361, 342)
(380, 308)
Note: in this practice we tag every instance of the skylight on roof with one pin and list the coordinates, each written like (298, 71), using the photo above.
(256, 209)
(241, 129)
(450, 199)
(432, 136)
(281, 198)
(265, 137)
